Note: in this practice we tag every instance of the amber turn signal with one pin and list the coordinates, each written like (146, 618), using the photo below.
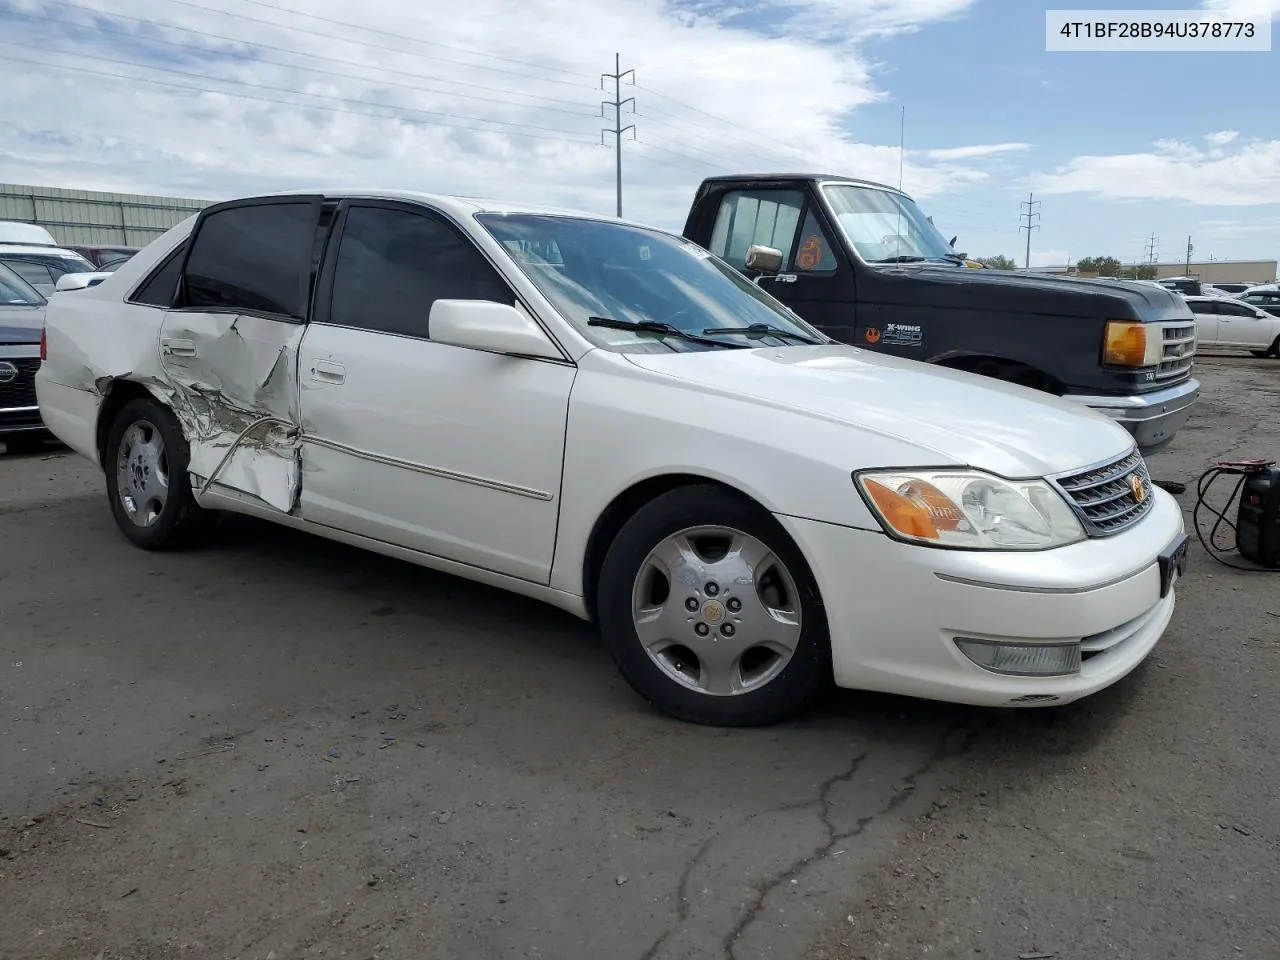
(1128, 343)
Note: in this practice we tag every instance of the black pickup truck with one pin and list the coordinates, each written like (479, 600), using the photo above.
(862, 262)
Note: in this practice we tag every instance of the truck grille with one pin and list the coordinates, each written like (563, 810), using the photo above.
(21, 390)
(1178, 355)
(1110, 498)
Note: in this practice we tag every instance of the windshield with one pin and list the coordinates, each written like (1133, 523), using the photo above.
(14, 291)
(885, 227)
(594, 270)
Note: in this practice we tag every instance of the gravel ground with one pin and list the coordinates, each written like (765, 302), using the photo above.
(275, 746)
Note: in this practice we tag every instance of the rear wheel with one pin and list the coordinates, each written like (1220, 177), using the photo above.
(147, 482)
(711, 613)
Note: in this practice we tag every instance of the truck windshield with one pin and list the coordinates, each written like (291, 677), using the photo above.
(885, 227)
(593, 270)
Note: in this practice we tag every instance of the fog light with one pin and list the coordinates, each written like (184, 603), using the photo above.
(1022, 659)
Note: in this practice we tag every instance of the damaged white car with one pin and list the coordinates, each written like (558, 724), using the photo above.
(607, 418)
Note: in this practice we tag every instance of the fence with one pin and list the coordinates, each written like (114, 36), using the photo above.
(90, 217)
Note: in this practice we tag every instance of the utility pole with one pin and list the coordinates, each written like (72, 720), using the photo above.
(1030, 216)
(1152, 247)
(618, 103)
(1190, 248)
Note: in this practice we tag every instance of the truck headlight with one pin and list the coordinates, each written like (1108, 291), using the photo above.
(1128, 343)
(968, 509)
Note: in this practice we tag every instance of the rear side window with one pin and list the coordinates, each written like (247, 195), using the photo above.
(746, 217)
(158, 289)
(1235, 310)
(253, 257)
(36, 274)
(392, 265)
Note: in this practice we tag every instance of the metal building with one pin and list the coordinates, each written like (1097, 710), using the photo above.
(88, 217)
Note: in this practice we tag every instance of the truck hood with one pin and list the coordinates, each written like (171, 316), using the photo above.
(1000, 291)
(948, 416)
(20, 324)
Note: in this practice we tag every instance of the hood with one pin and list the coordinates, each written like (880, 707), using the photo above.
(20, 324)
(948, 416)
(1001, 291)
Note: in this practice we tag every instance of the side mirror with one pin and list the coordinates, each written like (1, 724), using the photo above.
(78, 281)
(489, 326)
(762, 259)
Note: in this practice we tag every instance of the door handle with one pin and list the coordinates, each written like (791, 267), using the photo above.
(178, 348)
(326, 371)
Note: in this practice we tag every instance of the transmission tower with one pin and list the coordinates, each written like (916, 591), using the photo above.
(618, 103)
(1030, 216)
(1152, 248)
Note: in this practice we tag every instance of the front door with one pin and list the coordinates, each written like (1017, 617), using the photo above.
(442, 449)
(1240, 325)
(1206, 322)
(816, 280)
(229, 346)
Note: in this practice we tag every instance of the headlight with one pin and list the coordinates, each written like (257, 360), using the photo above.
(1127, 343)
(969, 510)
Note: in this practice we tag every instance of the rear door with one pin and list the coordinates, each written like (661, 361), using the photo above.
(229, 345)
(816, 279)
(1206, 320)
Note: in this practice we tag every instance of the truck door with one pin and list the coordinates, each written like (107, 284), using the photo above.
(816, 279)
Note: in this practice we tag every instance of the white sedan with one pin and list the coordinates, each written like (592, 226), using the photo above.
(1235, 323)
(607, 418)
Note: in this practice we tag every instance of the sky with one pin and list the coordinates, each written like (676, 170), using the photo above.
(956, 100)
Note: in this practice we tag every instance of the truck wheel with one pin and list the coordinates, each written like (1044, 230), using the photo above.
(711, 613)
(147, 483)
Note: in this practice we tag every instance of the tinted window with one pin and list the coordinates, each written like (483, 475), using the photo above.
(253, 257)
(766, 217)
(158, 289)
(36, 274)
(394, 264)
(1234, 309)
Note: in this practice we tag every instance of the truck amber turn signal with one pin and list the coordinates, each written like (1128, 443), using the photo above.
(1129, 343)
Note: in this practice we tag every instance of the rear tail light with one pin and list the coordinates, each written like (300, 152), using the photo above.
(44, 345)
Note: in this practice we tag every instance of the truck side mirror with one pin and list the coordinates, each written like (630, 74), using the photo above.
(953, 241)
(764, 260)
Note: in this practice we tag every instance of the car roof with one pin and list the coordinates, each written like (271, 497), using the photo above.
(458, 206)
(28, 249)
(822, 177)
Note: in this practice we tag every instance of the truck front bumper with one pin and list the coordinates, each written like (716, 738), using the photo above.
(1152, 418)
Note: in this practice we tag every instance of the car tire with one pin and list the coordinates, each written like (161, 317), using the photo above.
(711, 612)
(147, 481)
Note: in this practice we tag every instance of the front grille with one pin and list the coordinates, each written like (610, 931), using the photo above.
(21, 390)
(1110, 498)
(1179, 350)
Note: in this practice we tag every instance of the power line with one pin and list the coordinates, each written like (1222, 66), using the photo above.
(618, 103)
(1031, 215)
(299, 93)
(763, 153)
(363, 43)
(288, 103)
(398, 36)
(731, 123)
(331, 73)
(718, 157)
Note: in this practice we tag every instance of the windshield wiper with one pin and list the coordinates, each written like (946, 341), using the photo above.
(905, 259)
(761, 329)
(663, 329)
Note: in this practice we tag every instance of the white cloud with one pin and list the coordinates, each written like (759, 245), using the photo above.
(1246, 8)
(1246, 174)
(1222, 137)
(231, 120)
(974, 152)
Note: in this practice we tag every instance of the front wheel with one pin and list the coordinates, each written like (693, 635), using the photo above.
(1271, 351)
(147, 483)
(711, 612)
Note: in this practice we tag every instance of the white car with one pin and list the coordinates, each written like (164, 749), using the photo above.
(1235, 323)
(607, 418)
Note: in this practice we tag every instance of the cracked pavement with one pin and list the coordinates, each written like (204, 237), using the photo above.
(278, 745)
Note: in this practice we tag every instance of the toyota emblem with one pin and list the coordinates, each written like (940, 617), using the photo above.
(8, 372)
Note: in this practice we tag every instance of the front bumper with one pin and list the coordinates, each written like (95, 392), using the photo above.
(895, 610)
(1152, 418)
